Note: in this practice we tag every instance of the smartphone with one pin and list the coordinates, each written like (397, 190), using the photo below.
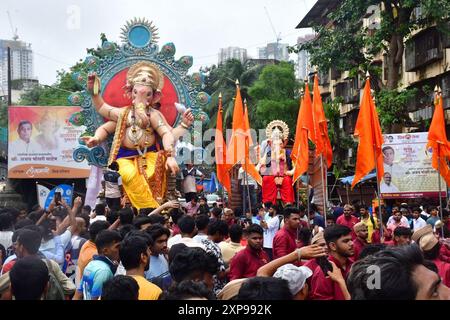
(57, 198)
(324, 264)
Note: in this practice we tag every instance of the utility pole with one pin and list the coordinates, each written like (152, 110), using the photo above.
(9, 77)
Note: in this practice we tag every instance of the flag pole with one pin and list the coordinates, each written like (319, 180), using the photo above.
(438, 93)
(324, 190)
(440, 186)
(37, 194)
(380, 217)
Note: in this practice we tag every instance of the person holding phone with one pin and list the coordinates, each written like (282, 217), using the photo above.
(325, 281)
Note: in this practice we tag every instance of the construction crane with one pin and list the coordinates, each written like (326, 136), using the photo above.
(14, 31)
(277, 36)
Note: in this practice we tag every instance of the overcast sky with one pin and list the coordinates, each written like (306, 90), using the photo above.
(197, 27)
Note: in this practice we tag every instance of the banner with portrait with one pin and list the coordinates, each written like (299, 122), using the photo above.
(41, 142)
(407, 168)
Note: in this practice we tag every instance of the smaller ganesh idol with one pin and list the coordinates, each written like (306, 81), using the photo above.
(275, 165)
(139, 131)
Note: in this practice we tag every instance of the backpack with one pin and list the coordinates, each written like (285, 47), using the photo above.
(55, 290)
(280, 218)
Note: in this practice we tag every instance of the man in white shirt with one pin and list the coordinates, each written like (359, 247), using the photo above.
(270, 225)
(189, 186)
(418, 222)
(24, 143)
(188, 230)
(387, 186)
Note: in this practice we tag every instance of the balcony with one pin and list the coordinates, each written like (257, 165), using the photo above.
(424, 48)
(348, 90)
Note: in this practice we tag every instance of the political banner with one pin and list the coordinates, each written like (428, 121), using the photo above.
(407, 168)
(41, 142)
(66, 194)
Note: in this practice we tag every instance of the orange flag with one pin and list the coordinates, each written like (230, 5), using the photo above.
(236, 149)
(248, 165)
(304, 131)
(324, 145)
(368, 130)
(437, 140)
(223, 176)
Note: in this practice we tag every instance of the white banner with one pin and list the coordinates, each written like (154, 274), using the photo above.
(42, 193)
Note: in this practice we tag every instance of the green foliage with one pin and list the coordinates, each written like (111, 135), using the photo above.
(338, 139)
(221, 79)
(392, 107)
(275, 95)
(341, 45)
(56, 95)
(3, 114)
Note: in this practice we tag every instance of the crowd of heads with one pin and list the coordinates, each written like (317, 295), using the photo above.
(407, 261)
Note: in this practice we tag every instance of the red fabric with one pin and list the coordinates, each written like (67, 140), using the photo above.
(284, 243)
(358, 245)
(114, 94)
(444, 253)
(376, 236)
(7, 267)
(311, 264)
(175, 230)
(323, 288)
(349, 223)
(270, 190)
(246, 263)
(443, 270)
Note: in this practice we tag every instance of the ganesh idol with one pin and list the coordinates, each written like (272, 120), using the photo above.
(144, 143)
(275, 165)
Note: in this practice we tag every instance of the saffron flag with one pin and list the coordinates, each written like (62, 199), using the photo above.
(248, 164)
(324, 145)
(437, 140)
(368, 130)
(236, 147)
(303, 133)
(223, 176)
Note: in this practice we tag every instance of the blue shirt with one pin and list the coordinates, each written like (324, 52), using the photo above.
(158, 273)
(318, 220)
(95, 275)
(158, 266)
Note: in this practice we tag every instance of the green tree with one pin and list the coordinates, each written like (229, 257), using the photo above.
(3, 114)
(222, 79)
(349, 46)
(55, 95)
(340, 141)
(345, 45)
(275, 95)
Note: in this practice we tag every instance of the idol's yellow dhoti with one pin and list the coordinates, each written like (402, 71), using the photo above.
(144, 186)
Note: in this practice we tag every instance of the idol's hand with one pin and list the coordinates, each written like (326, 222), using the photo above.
(188, 117)
(172, 166)
(90, 141)
(93, 84)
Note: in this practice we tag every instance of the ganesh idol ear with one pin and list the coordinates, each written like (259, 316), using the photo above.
(181, 108)
(157, 95)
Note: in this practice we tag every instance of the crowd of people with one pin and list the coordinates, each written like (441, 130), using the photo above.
(194, 251)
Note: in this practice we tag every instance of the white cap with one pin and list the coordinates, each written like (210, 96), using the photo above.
(295, 276)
